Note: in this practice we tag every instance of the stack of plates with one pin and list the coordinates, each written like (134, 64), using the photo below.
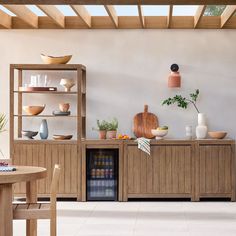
(61, 113)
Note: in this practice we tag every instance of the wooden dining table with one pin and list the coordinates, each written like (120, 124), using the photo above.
(28, 174)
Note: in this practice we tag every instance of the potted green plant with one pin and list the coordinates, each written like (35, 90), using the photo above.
(102, 128)
(112, 127)
(201, 129)
(3, 122)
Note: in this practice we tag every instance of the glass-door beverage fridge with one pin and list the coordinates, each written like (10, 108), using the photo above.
(102, 174)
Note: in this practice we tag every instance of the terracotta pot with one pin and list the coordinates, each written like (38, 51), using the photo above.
(174, 80)
(111, 134)
(102, 134)
(64, 107)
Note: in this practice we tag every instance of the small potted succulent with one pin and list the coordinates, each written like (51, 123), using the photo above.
(112, 127)
(102, 128)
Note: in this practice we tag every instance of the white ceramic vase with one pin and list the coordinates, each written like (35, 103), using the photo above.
(201, 129)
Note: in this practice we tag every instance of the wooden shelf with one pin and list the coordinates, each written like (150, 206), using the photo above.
(47, 92)
(74, 67)
(48, 116)
(44, 141)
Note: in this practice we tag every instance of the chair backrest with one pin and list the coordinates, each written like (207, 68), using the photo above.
(55, 181)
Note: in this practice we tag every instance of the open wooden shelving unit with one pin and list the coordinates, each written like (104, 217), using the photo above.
(47, 153)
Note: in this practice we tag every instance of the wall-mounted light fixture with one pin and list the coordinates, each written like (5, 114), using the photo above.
(174, 80)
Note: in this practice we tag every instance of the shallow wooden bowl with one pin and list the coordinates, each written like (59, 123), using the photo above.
(62, 137)
(33, 110)
(55, 60)
(217, 134)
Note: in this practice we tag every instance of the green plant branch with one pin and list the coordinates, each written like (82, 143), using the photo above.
(182, 101)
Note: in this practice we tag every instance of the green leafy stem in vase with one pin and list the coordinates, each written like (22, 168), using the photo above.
(3, 122)
(182, 101)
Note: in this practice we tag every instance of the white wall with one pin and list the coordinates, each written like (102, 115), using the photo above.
(128, 68)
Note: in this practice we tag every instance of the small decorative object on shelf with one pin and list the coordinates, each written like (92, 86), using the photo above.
(62, 137)
(160, 132)
(217, 134)
(201, 129)
(64, 107)
(67, 83)
(55, 60)
(43, 131)
(102, 128)
(61, 113)
(37, 89)
(33, 110)
(29, 134)
(112, 127)
(174, 80)
(189, 132)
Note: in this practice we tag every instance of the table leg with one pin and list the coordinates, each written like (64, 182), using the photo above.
(6, 212)
(31, 197)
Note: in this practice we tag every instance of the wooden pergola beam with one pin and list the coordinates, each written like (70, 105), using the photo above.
(141, 17)
(83, 14)
(199, 13)
(119, 2)
(112, 14)
(24, 14)
(5, 20)
(169, 17)
(227, 14)
(53, 13)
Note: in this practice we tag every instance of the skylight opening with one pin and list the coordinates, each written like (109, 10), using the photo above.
(185, 10)
(126, 10)
(6, 11)
(214, 10)
(36, 10)
(155, 10)
(66, 10)
(96, 10)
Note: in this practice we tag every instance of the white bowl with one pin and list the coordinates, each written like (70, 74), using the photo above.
(159, 133)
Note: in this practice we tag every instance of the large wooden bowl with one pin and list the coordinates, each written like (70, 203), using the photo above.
(33, 110)
(217, 134)
(55, 60)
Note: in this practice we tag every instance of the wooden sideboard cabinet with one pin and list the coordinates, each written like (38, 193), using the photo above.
(40, 153)
(215, 169)
(167, 172)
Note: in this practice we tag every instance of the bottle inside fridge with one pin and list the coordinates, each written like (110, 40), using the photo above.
(102, 174)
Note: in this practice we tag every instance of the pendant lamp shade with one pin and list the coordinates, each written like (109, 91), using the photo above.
(174, 80)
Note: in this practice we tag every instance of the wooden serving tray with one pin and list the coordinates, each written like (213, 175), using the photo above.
(35, 89)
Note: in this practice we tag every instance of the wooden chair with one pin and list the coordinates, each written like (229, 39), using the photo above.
(30, 211)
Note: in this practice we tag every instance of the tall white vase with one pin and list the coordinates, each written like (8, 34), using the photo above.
(201, 129)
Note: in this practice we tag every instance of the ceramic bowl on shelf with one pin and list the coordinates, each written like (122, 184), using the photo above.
(217, 134)
(33, 110)
(55, 60)
(62, 137)
(29, 134)
(159, 133)
(67, 84)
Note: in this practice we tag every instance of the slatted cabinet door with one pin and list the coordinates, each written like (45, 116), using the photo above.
(165, 173)
(29, 155)
(215, 163)
(47, 155)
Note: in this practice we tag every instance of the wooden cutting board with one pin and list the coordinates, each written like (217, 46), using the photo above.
(144, 122)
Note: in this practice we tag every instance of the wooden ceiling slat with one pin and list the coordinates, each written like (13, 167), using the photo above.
(5, 20)
(25, 14)
(141, 17)
(53, 13)
(82, 12)
(199, 13)
(169, 17)
(119, 2)
(227, 14)
(112, 14)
